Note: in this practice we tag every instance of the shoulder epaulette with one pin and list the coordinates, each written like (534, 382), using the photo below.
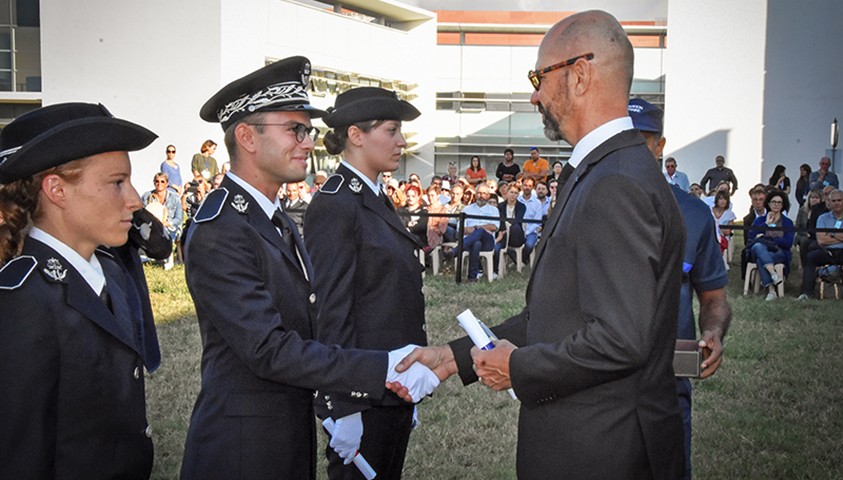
(332, 184)
(16, 271)
(211, 205)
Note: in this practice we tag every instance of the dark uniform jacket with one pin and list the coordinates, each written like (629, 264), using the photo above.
(253, 418)
(71, 371)
(594, 372)
(367, 276)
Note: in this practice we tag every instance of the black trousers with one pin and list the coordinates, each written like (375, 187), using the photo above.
(386, 434)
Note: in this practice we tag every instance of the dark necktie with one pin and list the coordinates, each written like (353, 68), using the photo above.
(106, 298)
(567, 170)
(388, 202)
(280, 221)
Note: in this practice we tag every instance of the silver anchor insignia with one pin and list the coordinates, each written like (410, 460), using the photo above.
(240, 204)
(55, 270)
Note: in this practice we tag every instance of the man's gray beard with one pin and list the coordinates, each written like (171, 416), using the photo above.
(551, 126)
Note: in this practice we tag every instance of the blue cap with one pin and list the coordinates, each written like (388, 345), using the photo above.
(646, 116)
(534, 148)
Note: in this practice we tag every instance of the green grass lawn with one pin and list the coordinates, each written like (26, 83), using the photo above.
(774, 410)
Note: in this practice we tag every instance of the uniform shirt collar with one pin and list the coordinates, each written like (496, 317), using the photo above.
(597, 136)
(91, 270)
(365, 179)
(266, 204)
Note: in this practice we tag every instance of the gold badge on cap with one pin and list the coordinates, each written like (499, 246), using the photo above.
(240, 204)
(55, 270)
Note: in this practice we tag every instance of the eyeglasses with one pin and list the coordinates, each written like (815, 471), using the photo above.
(301, 130)
(536, 76)
(159, 182)
(171, 151)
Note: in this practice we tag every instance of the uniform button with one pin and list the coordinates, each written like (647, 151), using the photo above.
(148, 431)
(424, 327)
(136, 373)
(312, 298)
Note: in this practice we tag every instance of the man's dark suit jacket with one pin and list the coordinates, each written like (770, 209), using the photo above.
(594, 372)
(253, 418)
(71, 370)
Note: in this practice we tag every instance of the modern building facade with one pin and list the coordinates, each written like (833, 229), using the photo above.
(756, 81)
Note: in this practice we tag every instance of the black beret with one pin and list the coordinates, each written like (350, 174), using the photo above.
(279, 86)
(368, 103)
(57, 134)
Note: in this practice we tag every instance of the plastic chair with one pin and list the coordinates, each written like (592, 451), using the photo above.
(488, 255)
(434, 255)
(754, 279)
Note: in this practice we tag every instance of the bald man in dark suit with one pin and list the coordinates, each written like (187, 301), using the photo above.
(594, 369)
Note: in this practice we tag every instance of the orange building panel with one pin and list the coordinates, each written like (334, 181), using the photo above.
(517, 18)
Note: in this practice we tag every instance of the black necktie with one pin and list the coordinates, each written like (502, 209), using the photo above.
(567, 170)
(388, 202)
(106, 298)
(280, 221)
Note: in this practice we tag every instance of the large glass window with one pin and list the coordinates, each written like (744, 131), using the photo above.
(20, 46)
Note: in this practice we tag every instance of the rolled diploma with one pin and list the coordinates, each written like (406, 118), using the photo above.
(480, 335)
(358, 460)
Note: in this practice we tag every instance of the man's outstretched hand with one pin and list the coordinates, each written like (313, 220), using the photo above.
(439, 359)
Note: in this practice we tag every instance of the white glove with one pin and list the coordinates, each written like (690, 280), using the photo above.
(346, 437)
(419, 380)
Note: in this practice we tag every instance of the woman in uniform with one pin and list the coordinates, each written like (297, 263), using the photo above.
(366, 271)
(76, 326)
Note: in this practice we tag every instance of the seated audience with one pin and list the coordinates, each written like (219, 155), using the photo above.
(511, 229)
(451, 177)
(411, 214)
(696, 190)
(553, 190)
(445, 193)
(804, 239)
(475, 173)
(757, 210)
(823, 177)
(217, 180)
(534, 212)
(454, 207)
(802, 184)
(556, 171)
(171, 215)
(674, 176)
(436, 226)
(769, 247)
(468, 195)
(536, 167)
(294, 205)
(479, 232)
(396, 193)
(319, 178)
(779, 180)
(723, 215)
(830, 243)
(542, 191)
